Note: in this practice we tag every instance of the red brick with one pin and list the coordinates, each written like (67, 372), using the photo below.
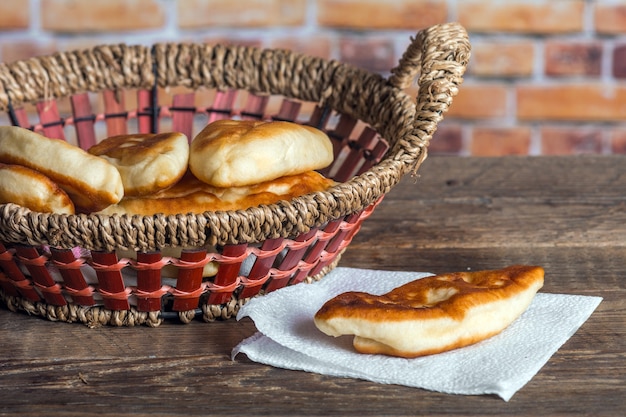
(498, 141)
(573, 58)
(318, 46)
(73, 16)
(374, 54)
(240, 13)
(609, 18)
(502, 59)
(619, 61)
(14, 15)
(588, 102)
(19, 50)
(224, 40)
(373, 15)
(570, 140)
(447, 140)
(541, 17)
(618, 141)
(479, 101)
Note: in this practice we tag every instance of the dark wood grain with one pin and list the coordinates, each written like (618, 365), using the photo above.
(567, 214)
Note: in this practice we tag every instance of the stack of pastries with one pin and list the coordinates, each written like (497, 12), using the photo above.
(229, 165)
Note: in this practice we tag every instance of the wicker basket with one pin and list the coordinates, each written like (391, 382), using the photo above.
(69, 268)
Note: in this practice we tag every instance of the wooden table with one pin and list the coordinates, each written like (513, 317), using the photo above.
(565, 213)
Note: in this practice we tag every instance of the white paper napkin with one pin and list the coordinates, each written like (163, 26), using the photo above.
(287, 338)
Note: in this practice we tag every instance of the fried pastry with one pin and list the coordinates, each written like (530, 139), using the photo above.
(432, 314)
(235, 153)
(91, 182)
(148, 163)
(190, 195)
(31, 189)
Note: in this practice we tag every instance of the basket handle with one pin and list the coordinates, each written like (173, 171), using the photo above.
(439, 56)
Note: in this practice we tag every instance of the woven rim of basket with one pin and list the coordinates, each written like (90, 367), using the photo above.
(382, 103)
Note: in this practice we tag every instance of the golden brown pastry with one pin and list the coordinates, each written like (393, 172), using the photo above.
(33, 190)
(433, 314)
(190, 195)
(235, 153)
(92, 182)
(147, 162)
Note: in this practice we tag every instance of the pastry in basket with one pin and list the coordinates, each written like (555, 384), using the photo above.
(238, 164)
(190, 195)
(148, 163)
(234, 153)
(33, 190)
(92, 182)
(432, 314)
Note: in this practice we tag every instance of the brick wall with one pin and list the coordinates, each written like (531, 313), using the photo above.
(546, 76)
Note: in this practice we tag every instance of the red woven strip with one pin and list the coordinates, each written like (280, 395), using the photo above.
(289, 110)
(281, 277)
(189, 282)
(18, 280)
(110, 281)
(304, 270)
(115, 296)
(51, 122)
(149, 289)
(296, 245)
(38, 261)
(332, 249)
(262, 253)
(5, 255)
(144, 113)
(223, 105)
(152, 295)
(70, 266)
(143, 266)
(347, 230)
(223, 289)
(323, 237)
(7, 285)
(252, 287)
(319, 118)
(114, 105)
(228, 272)
(51, 290)
(85, 293)
(355, 156)
(339, 137)
(82, 112)
(26, 284)
(255, 107)
(36, 265)
(75, 285)
(297, 249)
(182, 120)
(229, 260)
(22, 118)
(187, 295)
(373, 156)
(118, 266)
(182, 264)
(344, 230)
(265, 256)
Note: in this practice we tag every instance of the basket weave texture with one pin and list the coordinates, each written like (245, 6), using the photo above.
(69, 267)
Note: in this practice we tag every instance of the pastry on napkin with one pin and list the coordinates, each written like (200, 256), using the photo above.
(288, 338)
(433, 314)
